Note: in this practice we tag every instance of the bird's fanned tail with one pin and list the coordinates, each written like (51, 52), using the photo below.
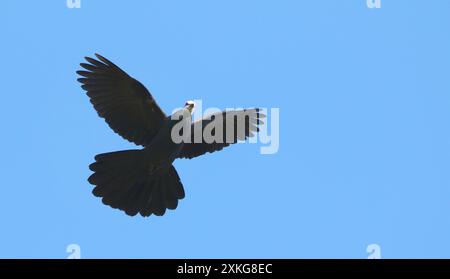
(125, 180)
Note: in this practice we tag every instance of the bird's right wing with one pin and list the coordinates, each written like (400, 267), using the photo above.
(125, 104)
(226, 127)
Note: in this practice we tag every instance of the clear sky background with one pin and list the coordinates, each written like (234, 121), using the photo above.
(364, 98)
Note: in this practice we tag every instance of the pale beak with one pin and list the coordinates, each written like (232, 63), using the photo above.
(190, 106)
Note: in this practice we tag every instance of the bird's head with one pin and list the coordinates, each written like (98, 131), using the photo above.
(189, 105)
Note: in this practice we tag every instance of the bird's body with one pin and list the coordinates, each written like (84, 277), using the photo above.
(144, 180)
(162, 150)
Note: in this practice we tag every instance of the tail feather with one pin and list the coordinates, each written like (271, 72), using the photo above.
(171, 199)
(157, 206)
(124, 180)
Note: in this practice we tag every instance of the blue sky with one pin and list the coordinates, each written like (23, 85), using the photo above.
(364, 98)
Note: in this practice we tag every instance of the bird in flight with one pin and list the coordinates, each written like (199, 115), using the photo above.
(144, 180)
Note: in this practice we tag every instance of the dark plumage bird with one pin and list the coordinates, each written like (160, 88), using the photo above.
(144, 180)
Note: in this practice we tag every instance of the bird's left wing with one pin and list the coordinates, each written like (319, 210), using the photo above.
(125, 104)
(219, 130)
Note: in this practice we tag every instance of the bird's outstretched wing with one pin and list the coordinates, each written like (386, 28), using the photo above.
(225, 128)
(125, 104)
